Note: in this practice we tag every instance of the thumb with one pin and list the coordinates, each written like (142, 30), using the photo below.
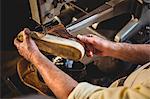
(85, 39)
(26, 33)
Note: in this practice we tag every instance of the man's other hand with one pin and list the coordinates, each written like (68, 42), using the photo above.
(27, 48)
(96, 45)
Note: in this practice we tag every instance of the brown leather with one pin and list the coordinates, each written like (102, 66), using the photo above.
(60, 31)
(28, 74)
(58, 42)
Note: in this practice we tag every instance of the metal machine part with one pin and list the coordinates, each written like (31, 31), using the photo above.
(124, 33)
(146, 1)
(106, 11)
(134, 25)
(140, 37)
(43, 11)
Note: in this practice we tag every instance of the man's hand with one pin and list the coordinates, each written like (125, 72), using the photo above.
(134, 53)
(27, 48)
(59, 82)
(96, 45)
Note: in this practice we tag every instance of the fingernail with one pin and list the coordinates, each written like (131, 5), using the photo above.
(79, 36)
(91, 53)
(26, 30)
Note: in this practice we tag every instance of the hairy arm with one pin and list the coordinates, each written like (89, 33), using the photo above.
(60, 83)
(134, 53)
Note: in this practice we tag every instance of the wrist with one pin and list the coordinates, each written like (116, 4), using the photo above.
(113, 49)
(35, 56)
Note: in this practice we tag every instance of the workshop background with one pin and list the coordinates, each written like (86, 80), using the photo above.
(16, 15)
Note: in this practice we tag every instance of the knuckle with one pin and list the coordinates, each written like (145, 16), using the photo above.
(85, 39)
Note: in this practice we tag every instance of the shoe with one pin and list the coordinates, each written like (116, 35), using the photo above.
(57, 41)
(29, 76)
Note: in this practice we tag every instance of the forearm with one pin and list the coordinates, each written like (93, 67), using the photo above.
(60, 83)
(135, 53)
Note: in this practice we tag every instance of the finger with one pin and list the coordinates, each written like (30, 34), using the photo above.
(89, 50)
(97, 52)
(90, 53)
(89, 47)
(16, 43)
(20, 52)
(85, 38)
(26, 33)
(87, 54)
